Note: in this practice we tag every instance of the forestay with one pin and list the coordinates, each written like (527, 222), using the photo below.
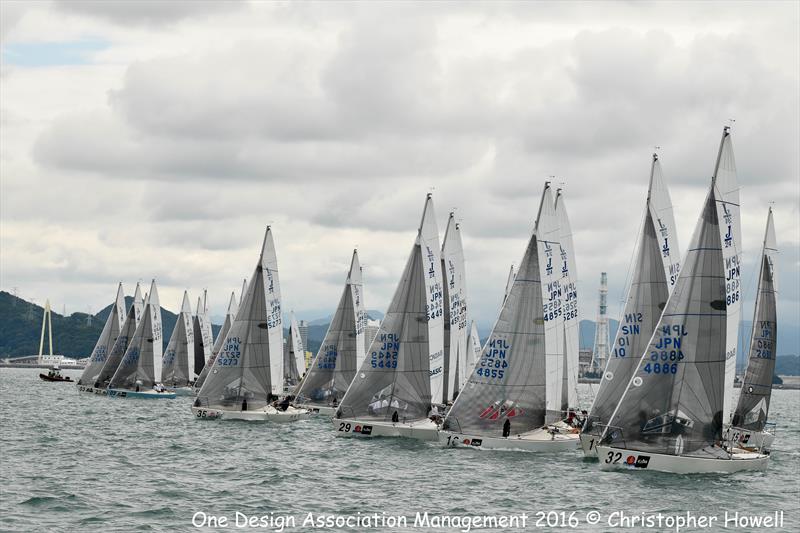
(250, 363)
(654, 272)
(141, 364)
(342, 350)
(396, 376)
(105, 343)
(674, 402)
(753, 407)
(455, 310)
(508, 382)
(176, 370)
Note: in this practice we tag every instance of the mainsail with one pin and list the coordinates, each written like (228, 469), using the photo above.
(548, 235)
(138, 303)
(509, 281)
(474, 350)
(121, 344)
(203, 337)
(250, 364)
(674, 402)
(111, 329)
(176, 370)
(455, 310)
(220, 340)
(397, 376)
(342, 351)
(508, 383)
(294, 359)
(569, 306)
(141, 364)
(655, 270)
(753, 407)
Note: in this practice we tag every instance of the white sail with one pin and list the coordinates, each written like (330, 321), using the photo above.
(549, 259)
(726, 193)
(455, 317)
(396, 378)
(510, 281)
(250, 365)
(219, 342)
(138, 303)
(176, 369)
(244, 289)
(474, 350)
(203, 336)
(752, 409)
(141, 364)
(342, 350)
(434, 288)
(294, 354)
(655, 271)
(111, 329)
(118, 349)
(569, 305)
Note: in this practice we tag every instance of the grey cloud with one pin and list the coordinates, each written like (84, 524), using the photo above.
(139, 12)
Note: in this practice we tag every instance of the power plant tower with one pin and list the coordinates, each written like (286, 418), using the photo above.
(601, 349)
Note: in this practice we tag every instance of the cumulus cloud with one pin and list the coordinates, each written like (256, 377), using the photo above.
(170, 153)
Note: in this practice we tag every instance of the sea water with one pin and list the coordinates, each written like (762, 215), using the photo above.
(73, 461)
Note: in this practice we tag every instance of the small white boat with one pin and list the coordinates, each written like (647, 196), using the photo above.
(655, 269)
(247, 374)
(393, 392)
(515, 394)
(341, 353)
(671, 416)
(265, 413)
(749, 428)
(140, 369)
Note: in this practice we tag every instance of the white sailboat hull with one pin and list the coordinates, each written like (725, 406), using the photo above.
(317, 409)
(265, 414)
(423, 429)
(750, 440)
(92, 390)
(144, 394)
(538, 440)
(589, 445)
(622, 459)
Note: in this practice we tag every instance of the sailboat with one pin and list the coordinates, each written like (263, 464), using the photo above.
(176, 368)
(139, 371)
(401, 378)
(749, 428)
(230, 315)
(120, 345)
(105, 343)
(510, 281)
(203, 336)
(294, 357)
(474, 351)
(655, 270)
(568, 287)
(342, 351)
(455, 310)
(513, 397)
(247, 375)
(671, 416)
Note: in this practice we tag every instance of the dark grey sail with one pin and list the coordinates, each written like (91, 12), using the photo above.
(753, 407)
(674, 401)
(342, 350)
(176, 370)
(105, 343)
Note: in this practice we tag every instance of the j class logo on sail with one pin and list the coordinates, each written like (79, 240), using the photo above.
(100, 354)
(386, 355)
(231, 352)
(662, 229)
(732, 279)
(132, 357)
(328, 359)
(764, 345)
(356, 295)
(361, 322)
(494, 360)
(435, 306)
(270, 281)
(629, 328)
(274, 319)
(564, 267)
(452, 269)
(728, 217)
(667, 352)
(431, 262)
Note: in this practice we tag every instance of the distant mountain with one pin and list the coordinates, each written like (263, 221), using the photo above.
(73, 336)
(371, 313)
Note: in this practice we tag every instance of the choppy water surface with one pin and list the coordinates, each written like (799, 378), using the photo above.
(78, 462)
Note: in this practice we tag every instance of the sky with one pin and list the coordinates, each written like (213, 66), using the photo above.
(145, 140)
